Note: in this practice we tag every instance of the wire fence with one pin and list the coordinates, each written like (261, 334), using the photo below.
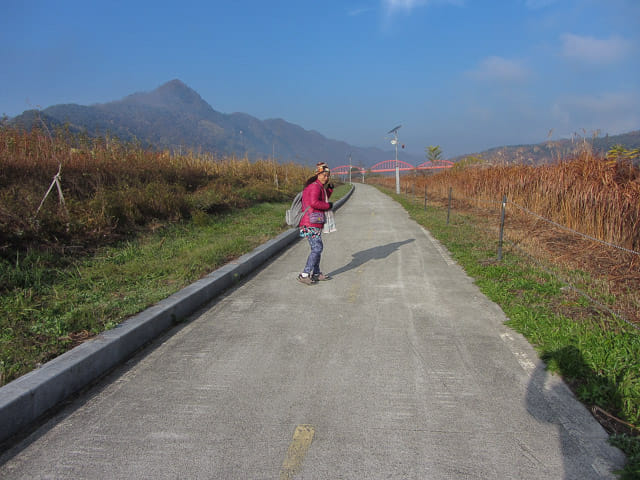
(584, 235)
(499, 229)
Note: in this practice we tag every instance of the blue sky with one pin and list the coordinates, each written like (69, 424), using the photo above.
(463, 74)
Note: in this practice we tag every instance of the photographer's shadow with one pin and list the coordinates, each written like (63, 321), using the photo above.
(553, 403)
(374, 253)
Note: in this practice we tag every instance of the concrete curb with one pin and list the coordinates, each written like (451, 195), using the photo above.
(25, 399)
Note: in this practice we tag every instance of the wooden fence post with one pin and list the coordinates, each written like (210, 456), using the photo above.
(425, 197)
(504, 207)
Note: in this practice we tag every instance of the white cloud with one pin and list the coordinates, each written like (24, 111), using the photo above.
(536, 4)
(393, 6)
(595, 51)
(407, 5)
(500, 69)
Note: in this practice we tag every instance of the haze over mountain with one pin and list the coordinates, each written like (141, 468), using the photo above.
(175, 117)
(551, 151)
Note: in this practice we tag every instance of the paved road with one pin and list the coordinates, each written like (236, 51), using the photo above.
(398, 368)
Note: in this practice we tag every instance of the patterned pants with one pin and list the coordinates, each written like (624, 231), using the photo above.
(313, 262)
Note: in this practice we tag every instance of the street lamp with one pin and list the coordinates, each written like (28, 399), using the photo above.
(349, 168)
(394, 131)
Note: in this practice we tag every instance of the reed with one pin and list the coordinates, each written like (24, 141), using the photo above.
(593, 194)
(112, 188)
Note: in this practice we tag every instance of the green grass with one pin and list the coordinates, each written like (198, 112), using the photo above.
(597, 355)
(50, 301)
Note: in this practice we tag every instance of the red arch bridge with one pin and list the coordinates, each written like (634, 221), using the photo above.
(390, 166)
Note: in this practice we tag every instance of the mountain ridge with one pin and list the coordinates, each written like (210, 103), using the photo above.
(552, 150)
(175, 117)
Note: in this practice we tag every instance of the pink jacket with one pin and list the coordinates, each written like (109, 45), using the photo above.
(313, 196)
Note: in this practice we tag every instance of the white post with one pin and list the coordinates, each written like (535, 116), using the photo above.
(394, 131)
(397, 169)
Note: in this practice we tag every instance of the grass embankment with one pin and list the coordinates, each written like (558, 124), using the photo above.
(136, 226)
(596, 353)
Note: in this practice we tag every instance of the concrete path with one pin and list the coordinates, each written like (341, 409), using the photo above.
(398, 368)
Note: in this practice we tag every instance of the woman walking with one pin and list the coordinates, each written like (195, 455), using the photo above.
(315, 204)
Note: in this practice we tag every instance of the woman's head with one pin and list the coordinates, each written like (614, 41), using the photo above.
(323, 173)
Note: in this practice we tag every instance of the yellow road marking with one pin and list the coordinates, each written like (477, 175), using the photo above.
(353, 292)
(302, 438)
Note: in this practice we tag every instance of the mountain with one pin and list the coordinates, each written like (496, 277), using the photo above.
(175, 117)
(629, 141)
(551, 151)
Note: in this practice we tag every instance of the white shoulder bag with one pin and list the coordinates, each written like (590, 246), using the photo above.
(329, 218)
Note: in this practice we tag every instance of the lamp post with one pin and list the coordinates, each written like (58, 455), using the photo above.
(349, 168)
(394, 131)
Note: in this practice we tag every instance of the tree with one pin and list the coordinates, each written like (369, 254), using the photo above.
(433, 153)
(468, 161)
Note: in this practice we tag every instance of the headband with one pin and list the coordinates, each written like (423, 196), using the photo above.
(322, 168)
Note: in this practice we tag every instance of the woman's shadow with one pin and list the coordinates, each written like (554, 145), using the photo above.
(374, 253)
